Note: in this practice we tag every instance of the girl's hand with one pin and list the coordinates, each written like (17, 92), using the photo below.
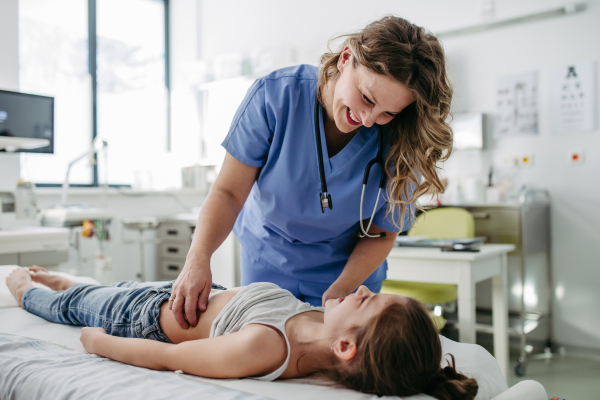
(334, 292)
(89, 338)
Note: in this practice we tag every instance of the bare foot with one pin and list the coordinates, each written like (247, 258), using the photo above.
(54, 282)
(18, 282)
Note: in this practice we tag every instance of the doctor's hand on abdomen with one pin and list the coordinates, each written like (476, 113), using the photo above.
(190, 292)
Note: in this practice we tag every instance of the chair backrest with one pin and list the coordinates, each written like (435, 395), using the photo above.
(444, 223)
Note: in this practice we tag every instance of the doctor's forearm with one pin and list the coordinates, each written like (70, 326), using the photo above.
(367, 256)
(220, 209)
(216, 220)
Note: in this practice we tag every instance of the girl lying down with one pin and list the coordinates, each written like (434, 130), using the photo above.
(372, 342)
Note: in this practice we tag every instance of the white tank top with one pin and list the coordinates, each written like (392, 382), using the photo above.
(260, 303)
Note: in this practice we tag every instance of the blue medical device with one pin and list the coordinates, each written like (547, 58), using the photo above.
(325, 198)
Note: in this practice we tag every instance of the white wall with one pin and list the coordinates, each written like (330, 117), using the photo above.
(475, 62)
(9, 80)
(9, 49)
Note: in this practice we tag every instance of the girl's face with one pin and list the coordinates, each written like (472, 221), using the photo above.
(357, 309)
(362, 97)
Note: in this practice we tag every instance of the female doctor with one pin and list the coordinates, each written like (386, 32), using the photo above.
(291, 185)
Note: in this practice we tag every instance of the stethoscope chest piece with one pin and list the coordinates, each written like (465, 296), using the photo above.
(325, 202)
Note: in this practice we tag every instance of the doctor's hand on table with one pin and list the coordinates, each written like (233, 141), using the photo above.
(190, 293)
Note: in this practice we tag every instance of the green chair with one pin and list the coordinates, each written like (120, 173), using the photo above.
(440, 223)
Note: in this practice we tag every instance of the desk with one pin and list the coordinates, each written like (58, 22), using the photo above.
(463, 269)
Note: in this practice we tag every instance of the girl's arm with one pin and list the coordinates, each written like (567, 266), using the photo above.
(367, 256)
(255, 350)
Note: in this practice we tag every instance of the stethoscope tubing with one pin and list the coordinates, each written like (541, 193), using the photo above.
(325, 198)
(377, 160)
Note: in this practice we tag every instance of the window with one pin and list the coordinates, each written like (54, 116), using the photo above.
(53, 61)
(132, 97)
(129, 85)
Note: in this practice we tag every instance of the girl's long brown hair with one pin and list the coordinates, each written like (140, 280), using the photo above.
(420, 134)
(399, 354)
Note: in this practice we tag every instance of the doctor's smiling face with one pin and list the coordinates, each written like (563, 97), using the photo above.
(359, 96)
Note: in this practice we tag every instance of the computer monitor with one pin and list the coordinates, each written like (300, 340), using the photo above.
(27, 116)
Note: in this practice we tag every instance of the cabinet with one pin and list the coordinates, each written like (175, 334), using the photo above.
(525, 224)
(175, 239)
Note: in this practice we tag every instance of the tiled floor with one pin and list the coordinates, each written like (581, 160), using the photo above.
(565, 377)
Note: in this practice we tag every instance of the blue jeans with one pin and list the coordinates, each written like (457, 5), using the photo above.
(125, 309)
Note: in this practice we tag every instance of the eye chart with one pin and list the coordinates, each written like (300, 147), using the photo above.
(517, 105)
(573, 98)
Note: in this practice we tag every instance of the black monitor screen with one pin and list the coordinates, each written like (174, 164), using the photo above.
(28, 116)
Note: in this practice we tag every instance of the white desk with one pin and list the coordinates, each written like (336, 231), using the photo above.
(464, 270)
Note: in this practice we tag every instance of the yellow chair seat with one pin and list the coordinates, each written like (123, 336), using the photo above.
(438, 321)
(444, 223)
(428, 293)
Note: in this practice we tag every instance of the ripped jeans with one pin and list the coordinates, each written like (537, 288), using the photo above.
(125, 309)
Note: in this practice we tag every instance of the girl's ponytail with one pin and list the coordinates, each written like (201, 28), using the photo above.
(449, 384)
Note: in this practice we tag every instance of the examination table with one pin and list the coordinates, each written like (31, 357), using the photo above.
(43, 360)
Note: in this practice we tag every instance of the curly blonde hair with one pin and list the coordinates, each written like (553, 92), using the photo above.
(420, 135)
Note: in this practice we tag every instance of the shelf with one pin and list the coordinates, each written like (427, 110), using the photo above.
(14, 143)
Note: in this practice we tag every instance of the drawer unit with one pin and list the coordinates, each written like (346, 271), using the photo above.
(498, 225)
(527, 227)
(491, 220)
(175, 241)
(174, 250)
(171, 268)
(175, 232)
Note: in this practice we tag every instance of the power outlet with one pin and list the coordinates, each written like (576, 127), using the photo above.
(508, 161)
(526, 160)
(576, 157)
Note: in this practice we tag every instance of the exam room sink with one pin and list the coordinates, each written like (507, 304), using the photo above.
(141, 223)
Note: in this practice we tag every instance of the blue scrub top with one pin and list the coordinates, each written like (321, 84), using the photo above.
(281, 225)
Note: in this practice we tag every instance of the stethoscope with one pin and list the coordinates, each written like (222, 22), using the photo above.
(326, 198)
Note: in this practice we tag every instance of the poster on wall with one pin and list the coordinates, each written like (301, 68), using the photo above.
(573, 98)
(516, 105)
